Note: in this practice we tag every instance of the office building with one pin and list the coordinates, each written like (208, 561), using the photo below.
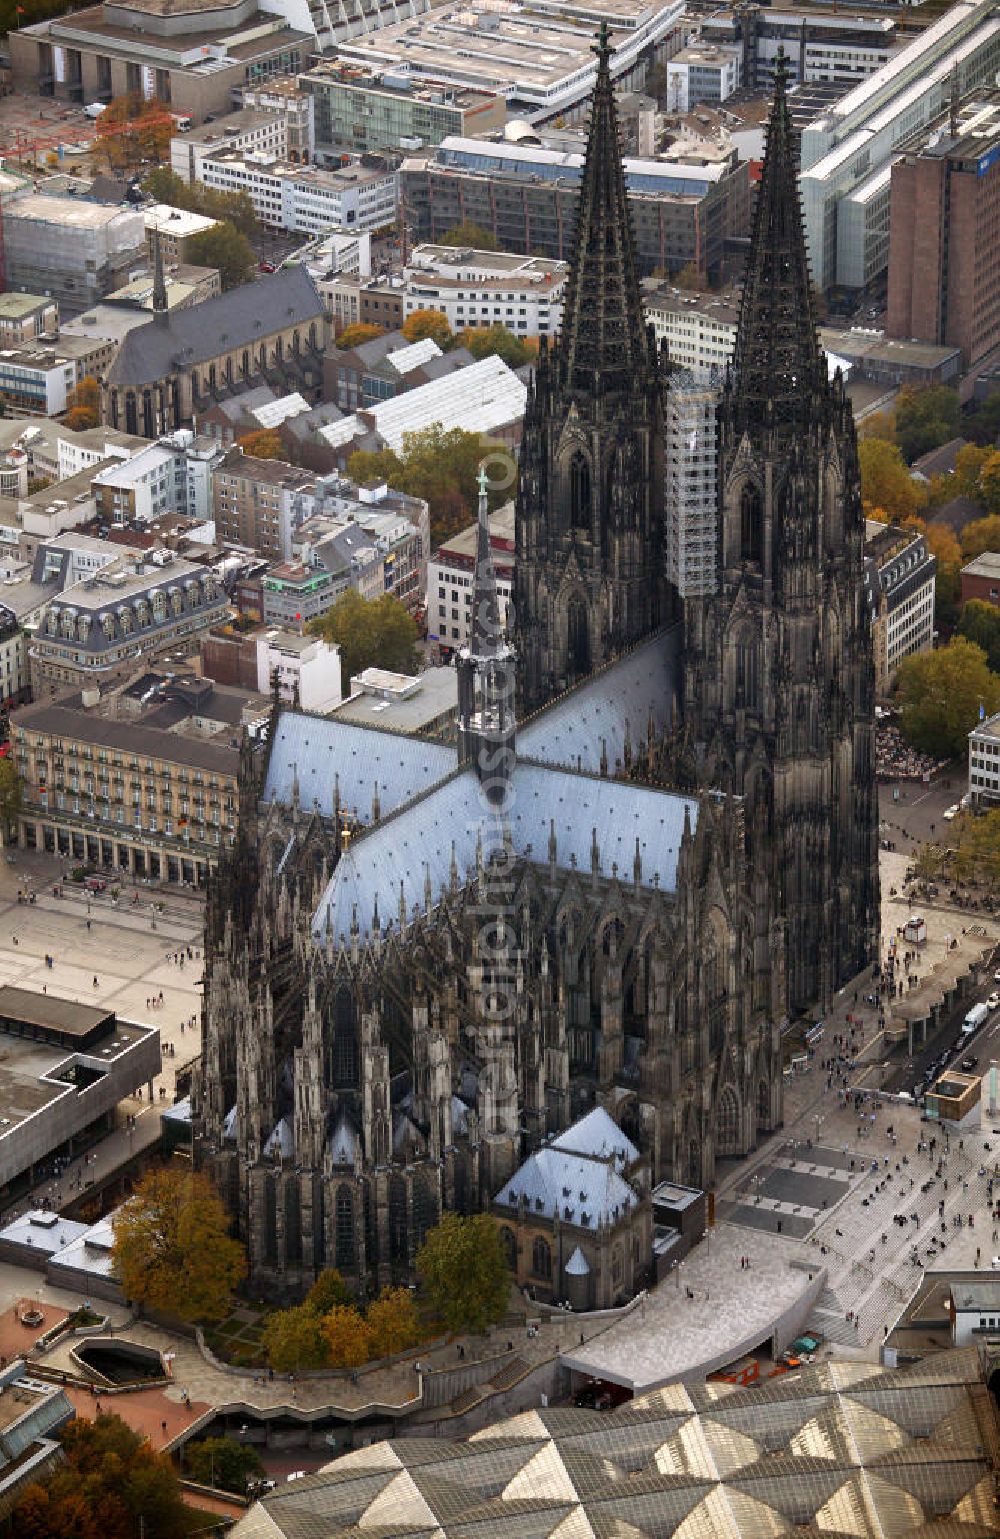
(26, 316)
(293, 593)
(486, 288)
(687, 204)
(899, 586)
(176, 228)
(259, 503)
(359, 109)
(291, 197)
(699, 329)
(32, 1413)
(703, 72)
(820, 46)
(848, 150)
(306, 669)
(451, 580)
(368, 538)
(350, 297)
(73, 249)
(174, 475)
(38, 380)
(249, 131)
(691, 498)
(194, 62)
(133, 607)
(143, 781)
(984, 763)
(539, 60)
(944, 234)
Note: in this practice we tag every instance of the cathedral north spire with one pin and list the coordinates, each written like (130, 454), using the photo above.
(603, 342)
(777, 362)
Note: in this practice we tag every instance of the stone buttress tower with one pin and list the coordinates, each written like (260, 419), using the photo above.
(588, 575)
(779, 676)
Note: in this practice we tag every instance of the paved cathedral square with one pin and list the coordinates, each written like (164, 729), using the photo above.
(417, 970)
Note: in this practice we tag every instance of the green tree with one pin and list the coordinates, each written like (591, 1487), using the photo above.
(885, 481)
(982, 423)
(11, 796)
(371, 633)
(940, 695)
(358, 334)
(469, 234)
(925, 418)
(111, 1485)
(165, 186)
(980, 624)
(227, 248)
(428, 323)
(981, 535)
(348, 1336)
(328, 1289)
(496, 341)
(442, 468)
(293, 1339)
(393, 1322)
(223, 1463)
(172, 1248)
(464, 1271)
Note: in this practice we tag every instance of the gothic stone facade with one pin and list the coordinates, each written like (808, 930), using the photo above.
(420, 960)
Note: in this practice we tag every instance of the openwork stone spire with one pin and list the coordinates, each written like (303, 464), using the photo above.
(777, 363)
(602, 342)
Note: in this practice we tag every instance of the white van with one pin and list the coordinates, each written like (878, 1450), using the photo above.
(94, 110)
(974, 1019)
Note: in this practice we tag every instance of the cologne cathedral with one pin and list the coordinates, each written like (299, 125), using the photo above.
(653, 841)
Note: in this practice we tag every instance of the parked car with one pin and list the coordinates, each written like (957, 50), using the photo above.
(968, 1064)
(993, 1003)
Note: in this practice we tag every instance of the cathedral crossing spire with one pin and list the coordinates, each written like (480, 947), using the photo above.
(602, 342)
(777, 362)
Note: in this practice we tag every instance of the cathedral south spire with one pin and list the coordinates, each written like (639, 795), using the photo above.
(486, 718)
(603, 341)
(777, 362)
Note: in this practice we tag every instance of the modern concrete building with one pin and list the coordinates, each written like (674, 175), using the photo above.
(450, 580)
(687, 203)
(690, 503)
(699, 329)
(984, 763)
(195, 58)
(145, 781)
(900, 574)
(67, 1068)
(73, 249)
(247, 131)
(820, 46)
(38, 380)
(486, 288)
(174, 475)
(293, 594)
(703, 72)
(944, 234)
(307, 669)
(289, 197)
(847, 151)
(359, 109)
(26, 316)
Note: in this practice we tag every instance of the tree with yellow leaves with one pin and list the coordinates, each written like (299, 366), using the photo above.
(172, 1248)
(348, 1336)
(393, 1322)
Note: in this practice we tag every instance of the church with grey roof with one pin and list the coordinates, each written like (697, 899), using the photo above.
(654, 840)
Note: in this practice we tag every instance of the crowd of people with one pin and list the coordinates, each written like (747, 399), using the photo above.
(895, 759)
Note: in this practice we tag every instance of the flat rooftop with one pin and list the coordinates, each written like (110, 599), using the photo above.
(463, 544)
(61, 1020)
(16, 307)
(77, 213)
(180, 222)
(436, 695)
(359, 77)
(35, 1072)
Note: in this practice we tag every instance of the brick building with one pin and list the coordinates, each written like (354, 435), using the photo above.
(981, 579)
(944, 241)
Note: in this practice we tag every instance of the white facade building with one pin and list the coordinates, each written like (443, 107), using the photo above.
(306, 666)
(691, 491)
(900, 581)
(292, 197)
(487, 288)
(249, 131)
(173, 475)
(451, 578)
(703, 72)
(984, 763)
(700, 329)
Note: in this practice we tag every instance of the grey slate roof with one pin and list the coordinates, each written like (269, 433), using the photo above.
(572, 1187)
(597, 1134)
(616, 701)
(193, 336)
(405, 850)
(321, 750)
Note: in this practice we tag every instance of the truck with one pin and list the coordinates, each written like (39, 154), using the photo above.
(974, 1019)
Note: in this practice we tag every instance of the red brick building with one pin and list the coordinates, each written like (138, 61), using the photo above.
(981, 579)
(944, 240)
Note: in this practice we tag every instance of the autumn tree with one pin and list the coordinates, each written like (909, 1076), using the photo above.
(131, 129)
(464, 1270)
(940, 695)
(172, 1248)
(83, 405)
(981, 535)
(442, 468)
(969, 462)
(989, 482)
(328, 1290)
(977, 857)
(110, 1485)
(358, 334)
(348, 1336)
(885, 481)
(469, 234)
(942, 542)
(428, 323)
(688, 277)
(165, 186)
(227, 248)
(223, 1463)
(498, 342)
(11, 796)
(263, 444)
(293, 1339)
(371, 633)
(393, 1322)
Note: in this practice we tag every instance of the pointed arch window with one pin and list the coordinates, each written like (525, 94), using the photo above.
(579, 491)
(751, 526)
